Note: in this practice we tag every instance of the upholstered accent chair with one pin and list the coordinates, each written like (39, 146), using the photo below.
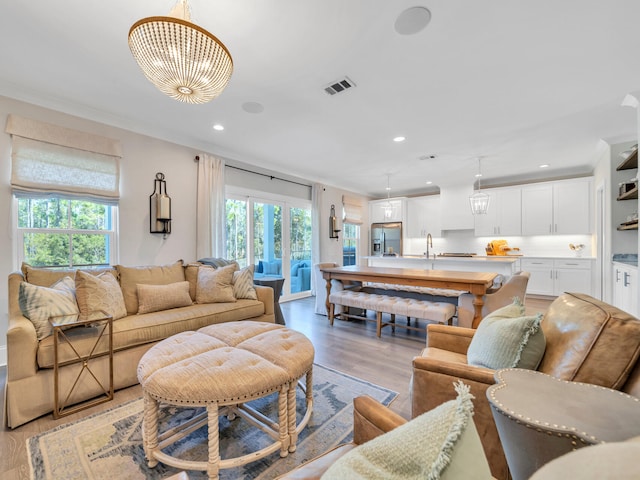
(515, 286)
(541, 418)
(587, 341)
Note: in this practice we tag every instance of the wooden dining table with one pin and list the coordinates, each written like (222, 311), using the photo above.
(476, 283)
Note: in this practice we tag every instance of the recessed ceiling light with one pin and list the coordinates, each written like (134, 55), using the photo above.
(399, 139)
(429, 182)
(544, 165)
(218, 127)
(478, 175)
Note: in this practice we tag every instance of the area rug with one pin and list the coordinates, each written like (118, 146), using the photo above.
(108, 445)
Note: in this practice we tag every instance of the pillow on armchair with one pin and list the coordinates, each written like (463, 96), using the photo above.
(507, 338)
(442, 443)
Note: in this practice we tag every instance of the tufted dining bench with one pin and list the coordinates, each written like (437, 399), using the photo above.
(440, 312)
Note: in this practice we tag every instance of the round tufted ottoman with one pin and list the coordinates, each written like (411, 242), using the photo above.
(221, 367)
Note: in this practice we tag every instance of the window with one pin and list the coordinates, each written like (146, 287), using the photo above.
(350, 238)
(58, 232)
(66, 189)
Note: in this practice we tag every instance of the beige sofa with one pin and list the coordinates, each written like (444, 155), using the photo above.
(30, 380)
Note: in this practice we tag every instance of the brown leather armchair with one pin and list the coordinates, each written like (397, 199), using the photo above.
(587, 340)
(370, 419)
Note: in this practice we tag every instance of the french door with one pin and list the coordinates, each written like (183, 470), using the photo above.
(275, 236)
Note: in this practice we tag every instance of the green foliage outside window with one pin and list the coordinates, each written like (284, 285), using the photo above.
(60, 232)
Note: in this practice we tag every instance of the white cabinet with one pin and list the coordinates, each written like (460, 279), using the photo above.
(504, 214)
(423, 217)
(625, 288)
(378, 209)
(557, 208)
(553, 277)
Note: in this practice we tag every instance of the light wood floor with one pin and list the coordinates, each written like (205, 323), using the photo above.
(349, 346)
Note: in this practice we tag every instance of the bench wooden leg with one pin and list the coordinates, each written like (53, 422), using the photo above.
(393, 323)
(332, 307)
(378, 324)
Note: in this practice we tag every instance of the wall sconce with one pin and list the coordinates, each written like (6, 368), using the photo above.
(333, 223)
(160, 207)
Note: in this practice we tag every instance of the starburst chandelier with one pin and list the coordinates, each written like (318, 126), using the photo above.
(180, 58)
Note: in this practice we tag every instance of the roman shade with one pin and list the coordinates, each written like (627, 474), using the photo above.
(352, 210)
(52, 160)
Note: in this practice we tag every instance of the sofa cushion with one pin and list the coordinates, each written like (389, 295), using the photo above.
(39, 303)
(153, 298)
(134, 330)
(130, 277)
(191, 276)
(48, 276)
(243, 284)
(589, 341)
(442, 443)
(99, 292)
(215, 285)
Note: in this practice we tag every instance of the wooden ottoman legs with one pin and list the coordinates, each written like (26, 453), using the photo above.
(150, 429)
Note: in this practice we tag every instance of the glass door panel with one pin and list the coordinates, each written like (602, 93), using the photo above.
(237, 231)
(267, 238)
(300, 249)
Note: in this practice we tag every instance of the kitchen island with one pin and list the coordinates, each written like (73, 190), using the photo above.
(504, 265)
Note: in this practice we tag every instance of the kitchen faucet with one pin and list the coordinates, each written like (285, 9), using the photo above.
(429, 244)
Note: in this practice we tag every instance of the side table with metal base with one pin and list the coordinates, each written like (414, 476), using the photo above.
(63, 328)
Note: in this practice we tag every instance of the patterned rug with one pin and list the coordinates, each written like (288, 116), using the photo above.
(108, 445)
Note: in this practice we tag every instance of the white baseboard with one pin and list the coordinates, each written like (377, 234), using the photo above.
(3, 355)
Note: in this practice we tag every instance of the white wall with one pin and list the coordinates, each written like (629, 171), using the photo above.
(331, 249)
(143, 156)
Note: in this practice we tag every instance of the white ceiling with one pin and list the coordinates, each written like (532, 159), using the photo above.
(518, 82)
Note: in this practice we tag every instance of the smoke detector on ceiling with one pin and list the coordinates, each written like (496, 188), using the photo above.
(339, 86)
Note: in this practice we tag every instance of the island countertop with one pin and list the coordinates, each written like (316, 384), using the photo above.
(504, 265)
(475, 258)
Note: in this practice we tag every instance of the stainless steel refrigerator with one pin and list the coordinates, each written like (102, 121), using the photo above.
(386, 238)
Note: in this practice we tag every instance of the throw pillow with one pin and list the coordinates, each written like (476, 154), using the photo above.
(273, 268)
(99, 292)
(508, 339)
(130, 277)
(153, 298)
(442, 443)
(243, 284)
(215, 285)
(39, 303)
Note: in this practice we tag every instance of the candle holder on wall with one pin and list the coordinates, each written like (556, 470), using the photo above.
(160, 207)
(333, 223)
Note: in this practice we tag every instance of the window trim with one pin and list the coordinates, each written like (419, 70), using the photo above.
(18, 233)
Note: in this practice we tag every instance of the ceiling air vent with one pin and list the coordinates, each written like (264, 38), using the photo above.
(339, 86)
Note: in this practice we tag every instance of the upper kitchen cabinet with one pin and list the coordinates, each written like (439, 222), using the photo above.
(423, 216)
(503, 215)
(558, 208)
(378, 210)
